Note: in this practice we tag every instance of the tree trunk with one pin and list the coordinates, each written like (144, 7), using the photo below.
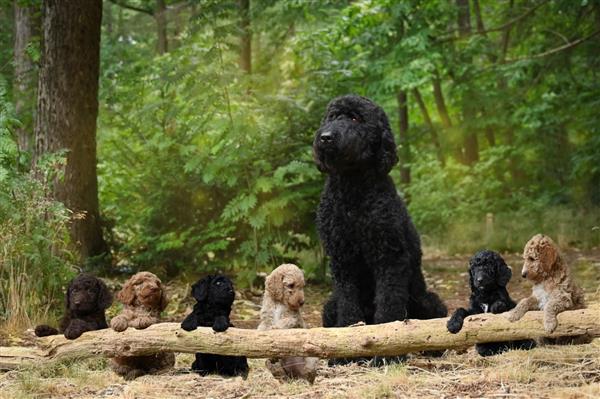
(160, 15)
(26, 28)
(470, 142)
(434, 134)
(390, 339)
(405, 157)
(441, 104)
(67, 108)
(246, 38)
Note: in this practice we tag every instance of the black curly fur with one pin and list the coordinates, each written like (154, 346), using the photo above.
(86, 300)
(488, 277)
(214, 296)
(367, 232)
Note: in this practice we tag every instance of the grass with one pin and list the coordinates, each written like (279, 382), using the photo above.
(545, 372)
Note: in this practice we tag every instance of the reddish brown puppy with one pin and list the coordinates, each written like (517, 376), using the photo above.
(554, 291)
(143, 297)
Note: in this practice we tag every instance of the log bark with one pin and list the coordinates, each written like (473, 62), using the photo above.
(388, 339)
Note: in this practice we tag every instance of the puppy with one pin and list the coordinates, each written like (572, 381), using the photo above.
(282, 300)
(86, 300)
(144, 298)
(488, 277)
(554, 291)
(214, 296)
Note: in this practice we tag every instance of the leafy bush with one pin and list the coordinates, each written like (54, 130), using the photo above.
(35, 257)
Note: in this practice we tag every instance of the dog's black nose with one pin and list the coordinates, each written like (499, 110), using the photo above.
(524, 273)
(326, 137)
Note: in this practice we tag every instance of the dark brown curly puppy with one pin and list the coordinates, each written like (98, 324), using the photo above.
(86, 300)
(554, 290)
(144, 298)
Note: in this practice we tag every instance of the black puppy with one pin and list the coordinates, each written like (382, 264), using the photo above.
(214, 296)
(86, 300)
(488, 277)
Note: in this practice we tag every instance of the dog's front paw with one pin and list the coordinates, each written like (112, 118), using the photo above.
(75, 329)
(118, 323)
(144, 322)
(550, 324)
(221, 324)
(510, 316)
(497, 307)
(454, 326)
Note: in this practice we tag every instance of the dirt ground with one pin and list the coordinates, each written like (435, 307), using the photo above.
(544, 372)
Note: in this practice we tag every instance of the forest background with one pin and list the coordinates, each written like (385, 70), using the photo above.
(207, 111)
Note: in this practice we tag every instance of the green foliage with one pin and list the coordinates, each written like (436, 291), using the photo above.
(35, 257)
(204, 168)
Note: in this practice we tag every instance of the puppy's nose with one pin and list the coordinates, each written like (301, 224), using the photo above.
(301, 302)
(326, 137)
(524, 273)
(479, 279)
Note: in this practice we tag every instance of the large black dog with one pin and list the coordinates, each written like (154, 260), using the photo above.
(374, 247)
(214, 296)
(488, 277)
(86, 300)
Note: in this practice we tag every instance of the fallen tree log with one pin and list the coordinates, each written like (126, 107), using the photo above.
(388, 339)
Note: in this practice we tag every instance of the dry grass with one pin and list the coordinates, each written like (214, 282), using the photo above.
(546, 372)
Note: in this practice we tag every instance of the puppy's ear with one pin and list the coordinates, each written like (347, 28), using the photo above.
(200, 289)
(504, 273)
(127, 293)
(548, 253)
(471, 278)
(104, 295)
(68, 296)
(387, 156)
(164, 300)
(274, 286)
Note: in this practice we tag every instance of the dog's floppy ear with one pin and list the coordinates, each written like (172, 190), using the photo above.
(68, 296)
(387, 156)
(274, 286)
(200, 289)
(504, 274)
(548, 253)
(127, 293)
(164, 300)
(105, 298)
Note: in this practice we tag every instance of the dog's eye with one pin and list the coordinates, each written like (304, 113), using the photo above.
(355, 119)
(218, 283)
(290, 286)
(531, 259)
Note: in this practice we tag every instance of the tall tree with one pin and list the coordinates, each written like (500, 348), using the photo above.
(67, 108)
(26, 28)
(405, 155)
(470, 143)
(246, 37)
(160, 14)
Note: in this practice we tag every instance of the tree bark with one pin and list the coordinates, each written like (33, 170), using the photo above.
(440, 103)
(246, 37)
(26, 28)
(434, 134)
(405, 156)
(160, 15)
(390, 339)
(67, 108)
(470, 142)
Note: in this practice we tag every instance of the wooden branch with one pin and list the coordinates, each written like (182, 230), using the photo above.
(123, 4)
(389, 339)
(555, 50)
